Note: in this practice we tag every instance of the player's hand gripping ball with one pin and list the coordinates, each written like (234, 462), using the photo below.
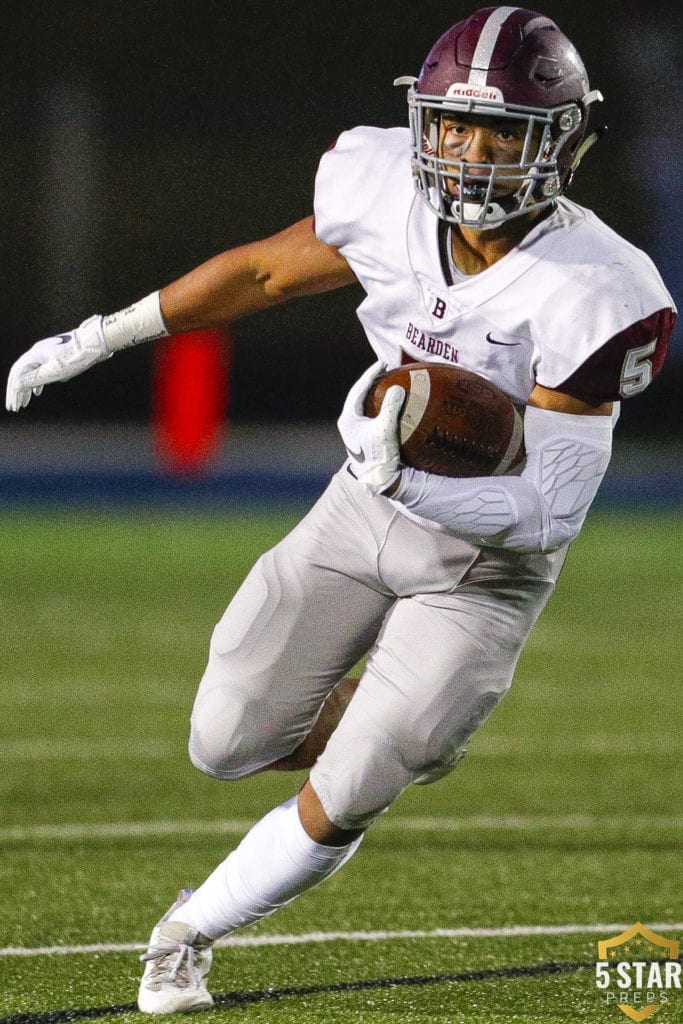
(453, 422)
(372, 441)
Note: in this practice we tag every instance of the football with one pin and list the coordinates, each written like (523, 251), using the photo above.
(453, 422)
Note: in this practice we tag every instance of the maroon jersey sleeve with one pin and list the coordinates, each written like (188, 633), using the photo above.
(624, 365)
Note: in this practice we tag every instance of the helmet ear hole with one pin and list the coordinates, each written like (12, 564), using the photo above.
(570, 119)
(551, 186)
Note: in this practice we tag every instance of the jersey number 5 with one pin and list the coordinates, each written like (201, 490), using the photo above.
(636, 373)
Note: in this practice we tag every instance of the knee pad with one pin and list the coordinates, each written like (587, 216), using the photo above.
(367, 765)
(234, 740)
(358, 782)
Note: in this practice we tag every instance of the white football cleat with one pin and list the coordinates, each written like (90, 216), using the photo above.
(176, 964)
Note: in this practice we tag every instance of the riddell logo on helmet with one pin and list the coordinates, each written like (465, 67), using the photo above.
(475, 92)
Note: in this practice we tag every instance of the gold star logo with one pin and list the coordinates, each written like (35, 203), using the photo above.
(620, 947)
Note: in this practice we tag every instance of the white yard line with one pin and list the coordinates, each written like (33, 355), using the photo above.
(568, 744)
(106, 830)
(514, 931)
(522, 822)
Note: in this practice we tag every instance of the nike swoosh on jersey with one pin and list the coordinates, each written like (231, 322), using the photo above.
(494, 341)
(358, 456)
(64, 338)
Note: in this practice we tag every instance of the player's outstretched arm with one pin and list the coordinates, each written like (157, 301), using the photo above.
(240, 281)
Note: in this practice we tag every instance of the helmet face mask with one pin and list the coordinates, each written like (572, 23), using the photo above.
(484, 195)
(502, 66)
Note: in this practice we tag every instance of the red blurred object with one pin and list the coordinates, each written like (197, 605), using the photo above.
(191, 393)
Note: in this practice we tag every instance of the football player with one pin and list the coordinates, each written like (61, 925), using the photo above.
(459, 231)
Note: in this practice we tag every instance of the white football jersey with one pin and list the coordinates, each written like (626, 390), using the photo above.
(573, 307)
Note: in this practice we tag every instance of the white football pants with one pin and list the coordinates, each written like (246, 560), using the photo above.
(443, 621)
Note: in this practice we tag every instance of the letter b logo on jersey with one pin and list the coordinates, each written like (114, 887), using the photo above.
(439, 309)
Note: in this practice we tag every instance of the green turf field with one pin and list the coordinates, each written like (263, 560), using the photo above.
(479, 899)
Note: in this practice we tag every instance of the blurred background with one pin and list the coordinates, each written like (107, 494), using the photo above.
(140, 139)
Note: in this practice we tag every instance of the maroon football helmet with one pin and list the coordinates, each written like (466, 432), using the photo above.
(505, 63)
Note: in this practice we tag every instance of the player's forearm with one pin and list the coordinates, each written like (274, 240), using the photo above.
(225, 288)
(540, 510)
(505, 513)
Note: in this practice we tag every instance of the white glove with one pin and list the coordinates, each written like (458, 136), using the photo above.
(55, 359)
(372, 441)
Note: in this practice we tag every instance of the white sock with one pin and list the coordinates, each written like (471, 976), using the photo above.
(275, 862)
